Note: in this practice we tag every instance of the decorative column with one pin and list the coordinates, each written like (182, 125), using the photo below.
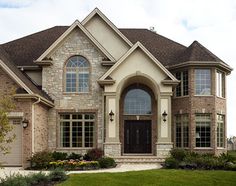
(164, 143)
(112, 145)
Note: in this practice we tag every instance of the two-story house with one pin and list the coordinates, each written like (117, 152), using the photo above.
(131, 92)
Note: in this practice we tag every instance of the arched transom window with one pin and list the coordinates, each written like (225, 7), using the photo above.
(137, 101)
(77, 74)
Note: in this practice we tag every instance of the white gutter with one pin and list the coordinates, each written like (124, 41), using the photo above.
(32, 122)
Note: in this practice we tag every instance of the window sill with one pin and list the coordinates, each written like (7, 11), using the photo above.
(181, 97)
(221, 97)
(203, 148)
(75, 93)
(203, 96)
(74, 148)
(220, 148)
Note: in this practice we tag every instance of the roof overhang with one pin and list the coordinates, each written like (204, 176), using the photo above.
(221, 65)
(36, 97)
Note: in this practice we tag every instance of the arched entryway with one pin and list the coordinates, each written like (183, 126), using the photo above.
(138, 120)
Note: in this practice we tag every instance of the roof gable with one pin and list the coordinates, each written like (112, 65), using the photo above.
(67, 32)
(106, 76)
(95, 12)
(20, 78)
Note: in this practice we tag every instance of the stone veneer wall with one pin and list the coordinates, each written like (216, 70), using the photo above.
(199, 104)
(53, 83)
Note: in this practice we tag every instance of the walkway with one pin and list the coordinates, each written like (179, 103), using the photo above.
(7, 171)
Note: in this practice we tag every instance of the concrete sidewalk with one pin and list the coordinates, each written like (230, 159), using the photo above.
(7, 171)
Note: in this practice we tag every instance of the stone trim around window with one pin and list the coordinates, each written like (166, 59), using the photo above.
(77, 75)
(77, 130)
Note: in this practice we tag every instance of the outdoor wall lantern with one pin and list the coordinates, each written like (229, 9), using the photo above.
(25, 123)
(164, 115)
(111, 114)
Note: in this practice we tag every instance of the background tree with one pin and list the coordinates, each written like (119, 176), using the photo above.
(6, 106)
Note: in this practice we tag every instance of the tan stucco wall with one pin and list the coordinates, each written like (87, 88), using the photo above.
(108, 38)
(36, 76)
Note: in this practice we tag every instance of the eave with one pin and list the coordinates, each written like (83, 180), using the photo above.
(36, 97)
(44, 62)
(106, 82)
(221, 65)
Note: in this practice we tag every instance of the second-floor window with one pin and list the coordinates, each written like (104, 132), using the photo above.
(182, 88)
(220, 84)
(202, 82)
(77, 75)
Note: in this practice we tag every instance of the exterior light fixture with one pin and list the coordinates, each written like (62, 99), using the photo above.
(198, 135)
(25, 123)
(164, 115)
(111, 114)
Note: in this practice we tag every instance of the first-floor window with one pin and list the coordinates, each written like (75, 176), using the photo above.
(77, 130)
(220, 130)
(182, 130)
(203, 130)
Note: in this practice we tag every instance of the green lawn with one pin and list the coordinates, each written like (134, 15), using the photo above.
(232, 153)
(160, 177)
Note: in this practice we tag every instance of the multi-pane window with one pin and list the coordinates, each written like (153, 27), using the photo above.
(220, 130)
(182, 88)
(203, 130)
(137, 101)
(220, 84)
(202, 82)
(77, 130)
(77, 75)
(182, 130)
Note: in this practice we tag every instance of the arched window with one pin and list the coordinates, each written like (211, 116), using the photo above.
(77, 74)
(137, 101)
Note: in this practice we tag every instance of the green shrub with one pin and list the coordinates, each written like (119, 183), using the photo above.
(57, 175)
(171, 163)
(39, 178)
(107, 162)
(227, 158)
(14, 180)
(59, 155)
(178, 154)
(74, 156)
(93, 154)
(40, 160)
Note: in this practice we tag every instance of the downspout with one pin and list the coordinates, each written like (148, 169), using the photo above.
(33, 123)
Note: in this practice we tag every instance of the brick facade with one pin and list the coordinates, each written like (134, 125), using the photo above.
(193, 104)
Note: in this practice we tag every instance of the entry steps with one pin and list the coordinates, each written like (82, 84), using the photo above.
(138, 159)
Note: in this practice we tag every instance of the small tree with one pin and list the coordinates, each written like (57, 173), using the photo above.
(6, 105)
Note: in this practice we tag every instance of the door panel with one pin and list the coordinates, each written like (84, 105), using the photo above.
(137, 137)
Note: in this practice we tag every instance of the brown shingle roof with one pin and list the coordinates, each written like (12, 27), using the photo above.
(197, 52)
(164, 49)
(5, 58)
(25, 50)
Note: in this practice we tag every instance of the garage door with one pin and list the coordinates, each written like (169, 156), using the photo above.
(14, 158)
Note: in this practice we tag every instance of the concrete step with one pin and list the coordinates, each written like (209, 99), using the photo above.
(139, 159)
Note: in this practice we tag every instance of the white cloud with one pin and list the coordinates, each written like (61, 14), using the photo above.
(211, 22)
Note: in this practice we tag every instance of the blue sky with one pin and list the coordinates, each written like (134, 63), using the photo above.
(211, 22)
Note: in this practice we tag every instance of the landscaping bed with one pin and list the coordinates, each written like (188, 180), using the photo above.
(92, 160)
(183, 159)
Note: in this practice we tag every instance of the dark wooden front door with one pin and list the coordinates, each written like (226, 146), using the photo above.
(137, 137)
